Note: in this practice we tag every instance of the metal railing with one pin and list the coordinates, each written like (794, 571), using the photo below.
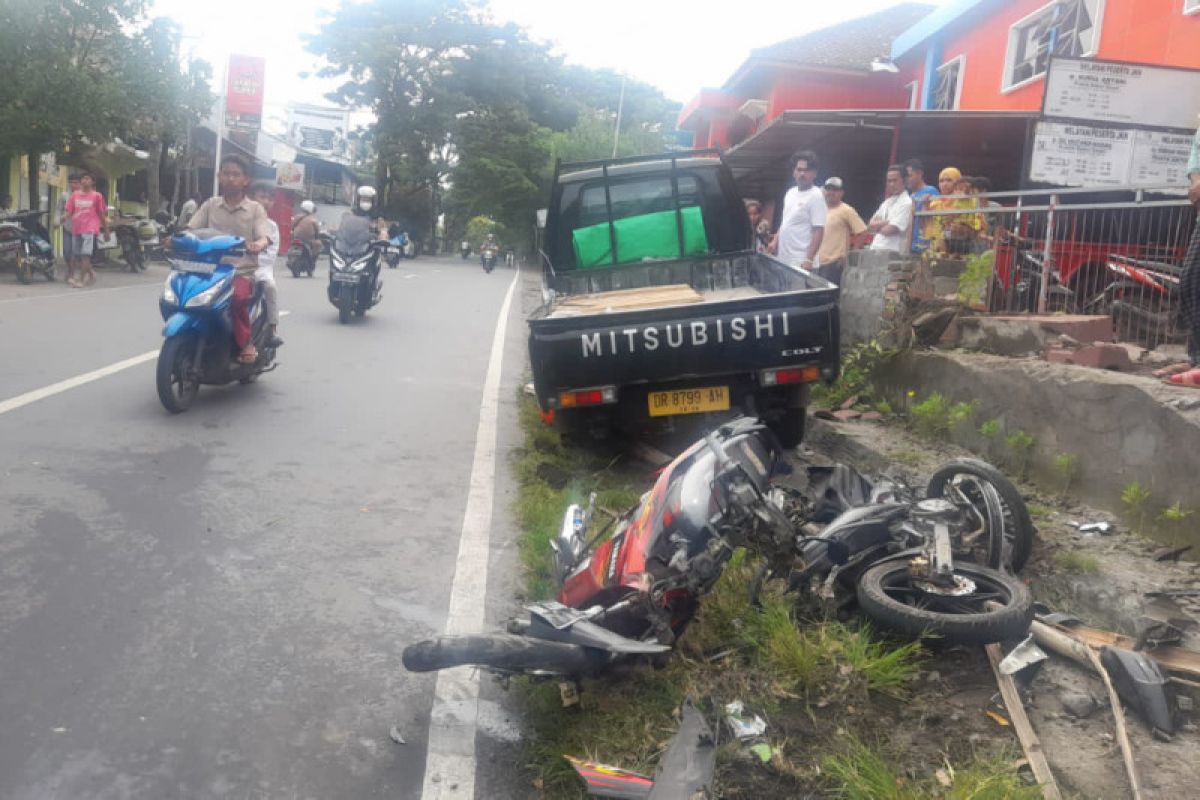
(1065, 251)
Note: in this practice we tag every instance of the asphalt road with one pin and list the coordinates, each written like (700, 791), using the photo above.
(213, 604)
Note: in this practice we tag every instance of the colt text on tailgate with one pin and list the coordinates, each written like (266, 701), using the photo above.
(684, 334)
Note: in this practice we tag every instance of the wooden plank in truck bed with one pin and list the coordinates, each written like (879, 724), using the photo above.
(627, 300)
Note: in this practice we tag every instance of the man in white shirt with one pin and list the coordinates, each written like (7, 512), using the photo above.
(264, 194)
(893, 221)
(802, 226)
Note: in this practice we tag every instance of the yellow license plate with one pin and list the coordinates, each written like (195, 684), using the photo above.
(689, 401)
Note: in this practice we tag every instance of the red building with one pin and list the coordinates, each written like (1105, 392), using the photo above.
(993, 54)
(838, 67)
(958, 84)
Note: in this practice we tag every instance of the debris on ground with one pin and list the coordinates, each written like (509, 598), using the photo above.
(741, 725)
(394, 733)
(685, 771)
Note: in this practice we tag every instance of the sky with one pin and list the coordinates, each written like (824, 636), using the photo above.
(667, 43)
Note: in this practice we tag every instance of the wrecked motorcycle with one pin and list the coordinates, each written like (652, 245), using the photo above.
(633, 591)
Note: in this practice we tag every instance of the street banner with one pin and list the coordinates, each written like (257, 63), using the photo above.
(319, 130)
(289, 176)
(244, 92)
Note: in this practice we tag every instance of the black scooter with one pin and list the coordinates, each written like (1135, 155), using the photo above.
(354, 265)
(24, 244)
(488, 257)
(301, 259)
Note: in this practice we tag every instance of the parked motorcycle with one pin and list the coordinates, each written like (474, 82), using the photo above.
(24, 243)
(129, 239)
(354, 259)
(301, 258)
(1143, 298)
(198, 347)
(903, 558)
(488, 257)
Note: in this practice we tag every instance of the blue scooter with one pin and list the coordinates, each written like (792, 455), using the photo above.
(196, 303)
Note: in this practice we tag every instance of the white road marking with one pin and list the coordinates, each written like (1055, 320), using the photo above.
(13, 403)
(450, 756)
(77, 293)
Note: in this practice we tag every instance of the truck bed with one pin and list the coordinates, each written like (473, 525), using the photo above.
(662, 321)
(665, 284)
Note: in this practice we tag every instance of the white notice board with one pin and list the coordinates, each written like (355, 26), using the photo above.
(1065, 154)
(1129, 94)
(1094, 156)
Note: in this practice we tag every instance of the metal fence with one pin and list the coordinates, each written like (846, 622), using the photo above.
(1074, 251)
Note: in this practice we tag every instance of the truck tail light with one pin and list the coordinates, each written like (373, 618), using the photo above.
(786, 375)
(597, 396)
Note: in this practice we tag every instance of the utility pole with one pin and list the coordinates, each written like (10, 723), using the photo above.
(620, 108)
(216, 189)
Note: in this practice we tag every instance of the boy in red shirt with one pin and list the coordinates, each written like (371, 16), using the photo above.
(89, 216)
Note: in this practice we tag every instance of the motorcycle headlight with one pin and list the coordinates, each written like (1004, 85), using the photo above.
(168, 296)
(337, 260)
(357, 266)
(206, 297)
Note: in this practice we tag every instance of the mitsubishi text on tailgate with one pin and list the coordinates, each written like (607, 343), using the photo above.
(656, 305)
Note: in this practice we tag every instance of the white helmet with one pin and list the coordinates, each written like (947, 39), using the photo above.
(308, 207)
(365, 198)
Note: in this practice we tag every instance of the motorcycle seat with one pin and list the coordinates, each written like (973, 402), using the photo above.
(204, 242)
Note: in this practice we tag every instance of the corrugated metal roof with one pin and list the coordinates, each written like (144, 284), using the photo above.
(852, 44)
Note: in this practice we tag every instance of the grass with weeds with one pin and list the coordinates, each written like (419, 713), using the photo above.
(1076, 563)
(539, 506)
(862, 773)
(1039, 511)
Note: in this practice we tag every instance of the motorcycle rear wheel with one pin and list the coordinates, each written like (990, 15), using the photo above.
(177, 388)
(890, 597)
(959, 479)
(503, 652)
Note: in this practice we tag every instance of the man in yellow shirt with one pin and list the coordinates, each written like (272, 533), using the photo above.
(844, 229)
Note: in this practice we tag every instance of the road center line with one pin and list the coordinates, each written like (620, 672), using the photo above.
(21, 400)
(450, 755)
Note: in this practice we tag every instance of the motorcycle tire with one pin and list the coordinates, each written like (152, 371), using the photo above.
(883, 589)
(504, 652)
(789, 428)
(174, 359)
(295, 271)
(1019, 530)
(48, 273)
(345, 306)
(24, 270)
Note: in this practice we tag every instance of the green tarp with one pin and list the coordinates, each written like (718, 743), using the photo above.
(647, 236)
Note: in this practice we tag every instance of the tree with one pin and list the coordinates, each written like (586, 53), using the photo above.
(87, 71)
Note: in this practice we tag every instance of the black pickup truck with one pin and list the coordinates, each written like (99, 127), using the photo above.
(655, 304)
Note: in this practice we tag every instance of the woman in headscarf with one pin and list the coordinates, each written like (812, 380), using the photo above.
(953, 233)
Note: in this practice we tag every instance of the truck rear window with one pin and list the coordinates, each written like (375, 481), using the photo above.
(644, 222)
(634, 198)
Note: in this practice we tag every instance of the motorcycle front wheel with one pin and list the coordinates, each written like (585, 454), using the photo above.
(504, 652)
(175, 378)
(892, 598)
(24, 269)
(345, 306)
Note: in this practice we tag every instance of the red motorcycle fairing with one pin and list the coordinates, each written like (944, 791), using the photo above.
(622, 563)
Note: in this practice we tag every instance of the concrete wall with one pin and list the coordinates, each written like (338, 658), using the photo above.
(1123, 428)
(871, 288)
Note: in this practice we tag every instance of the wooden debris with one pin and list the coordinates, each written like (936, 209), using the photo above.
(1122, 730)
(1028, 737)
